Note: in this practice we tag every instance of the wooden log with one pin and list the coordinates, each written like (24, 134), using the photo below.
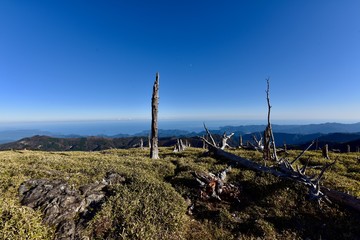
(342, 198)
(333, 195)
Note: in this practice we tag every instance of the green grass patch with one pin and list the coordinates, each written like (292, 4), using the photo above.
(153, 202)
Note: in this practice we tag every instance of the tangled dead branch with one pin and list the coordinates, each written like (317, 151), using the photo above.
(290, 172)
(214, 186)
(224, 139)
(285, 168)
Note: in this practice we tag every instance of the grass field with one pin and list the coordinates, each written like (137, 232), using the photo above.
(154, 203)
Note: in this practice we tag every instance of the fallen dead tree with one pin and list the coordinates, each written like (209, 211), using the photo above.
(287, 170)
(284, 168)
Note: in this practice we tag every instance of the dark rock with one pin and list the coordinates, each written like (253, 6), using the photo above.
(67, 209)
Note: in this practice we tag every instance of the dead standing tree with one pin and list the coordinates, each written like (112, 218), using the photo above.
(325, 151)
(179, 146)
(269, 139)
(287, 169)
(154, 148)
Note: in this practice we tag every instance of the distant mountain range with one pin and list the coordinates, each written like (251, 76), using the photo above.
(339, 141)
(323, 128)
(337, 135)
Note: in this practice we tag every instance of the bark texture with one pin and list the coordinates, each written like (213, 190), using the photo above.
(154, 148)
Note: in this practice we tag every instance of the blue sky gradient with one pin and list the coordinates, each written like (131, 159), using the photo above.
(96, 60)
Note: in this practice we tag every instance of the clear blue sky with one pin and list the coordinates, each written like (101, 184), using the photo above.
(85, 60)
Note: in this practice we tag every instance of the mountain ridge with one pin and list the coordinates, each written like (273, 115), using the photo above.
(290, 134)
(97, 143)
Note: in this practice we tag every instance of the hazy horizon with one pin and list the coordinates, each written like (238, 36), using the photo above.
(113, 127)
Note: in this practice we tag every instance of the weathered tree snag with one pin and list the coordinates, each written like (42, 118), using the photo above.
(223, 144)
(141, 143)
(215, 186)
(325, 151)
(286, 170)
(182, 145)
(204, 143)
(268, 133)
(210, 136)
(342, 198)
(154, 149)
(224, 140)
(240, 141)
(179, 146)
(348, 148)
(302, 153)
(257, 145)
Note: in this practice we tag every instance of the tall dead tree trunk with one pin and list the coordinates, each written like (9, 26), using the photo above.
(268, 133)
(348, 148)
(154, 149)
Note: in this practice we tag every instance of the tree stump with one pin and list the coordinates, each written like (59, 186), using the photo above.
(325, 151)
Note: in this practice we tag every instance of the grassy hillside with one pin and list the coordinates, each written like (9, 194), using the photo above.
(153, 204)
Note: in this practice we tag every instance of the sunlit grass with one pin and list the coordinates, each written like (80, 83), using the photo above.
(152, 204)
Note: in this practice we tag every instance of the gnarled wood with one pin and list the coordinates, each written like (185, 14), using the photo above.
(179, 146)
(286, 170)
(224, 140)
(215, 185)
(269, 139)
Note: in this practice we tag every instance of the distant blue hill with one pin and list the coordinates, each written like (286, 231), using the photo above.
(290, 134)
(323, 128)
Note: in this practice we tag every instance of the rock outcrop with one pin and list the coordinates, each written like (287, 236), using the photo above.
(65, 208)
